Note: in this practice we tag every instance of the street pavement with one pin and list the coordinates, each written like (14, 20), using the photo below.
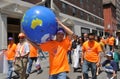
(70, 75)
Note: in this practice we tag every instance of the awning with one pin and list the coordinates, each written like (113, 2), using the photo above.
(14, 8)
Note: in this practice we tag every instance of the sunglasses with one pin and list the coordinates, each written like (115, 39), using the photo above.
(22, 37)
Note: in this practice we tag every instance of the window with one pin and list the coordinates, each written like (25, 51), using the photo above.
(81, 1)
(85, 30)
(87, 7)
(99, 12)
(64, 7)
(88, 17)
(95, 19)
(81, 14)
(94, 7)
(74, 11)
(94, 31)
(87, 1)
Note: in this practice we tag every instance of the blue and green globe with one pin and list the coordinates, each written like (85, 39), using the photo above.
(39, 24)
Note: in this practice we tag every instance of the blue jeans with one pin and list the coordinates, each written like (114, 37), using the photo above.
(30, 64)
(61, 75)
(85, 68)
(10, 66)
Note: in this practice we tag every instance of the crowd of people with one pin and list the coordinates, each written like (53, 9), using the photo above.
(84, 52)
(88, 50)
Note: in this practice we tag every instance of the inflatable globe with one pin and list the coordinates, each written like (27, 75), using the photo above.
(39, 24)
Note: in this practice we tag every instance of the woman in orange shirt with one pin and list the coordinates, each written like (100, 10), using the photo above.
(33, 55)
(10, 56)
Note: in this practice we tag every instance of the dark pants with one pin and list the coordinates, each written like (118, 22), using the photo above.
(85, 67)
(31, 59)
(110, 47)
(70, 58)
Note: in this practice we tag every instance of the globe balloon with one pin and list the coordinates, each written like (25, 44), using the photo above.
(39, 24)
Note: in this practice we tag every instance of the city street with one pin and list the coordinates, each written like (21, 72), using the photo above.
(63, 26)
(70, 75)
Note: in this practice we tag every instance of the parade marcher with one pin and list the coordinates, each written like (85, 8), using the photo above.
(110, 66)
(104, 41)
(33, 56)
(116, 58)
(75, 51)
(77, 54)
(21, 57)
(90, 56)
(116, 42)
(85, 36)
(58, 49)
(111, 41)
(10, 56)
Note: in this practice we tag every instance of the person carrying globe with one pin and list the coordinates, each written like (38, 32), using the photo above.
(57, 50)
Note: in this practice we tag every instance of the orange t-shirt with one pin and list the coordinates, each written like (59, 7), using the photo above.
(111, 41)
(10, 53)
(57, 55)
(33, 51)
(91, 51)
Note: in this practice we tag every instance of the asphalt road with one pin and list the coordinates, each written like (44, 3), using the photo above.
(70, 75)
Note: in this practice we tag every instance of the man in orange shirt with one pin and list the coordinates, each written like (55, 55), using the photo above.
(21, 56)
(90, 56)
(111, 42)
(10, 56)
(58, 52)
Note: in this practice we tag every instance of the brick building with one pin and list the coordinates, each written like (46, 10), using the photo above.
(109, 11)
(87, 15)
(118, 13)
(82, 16)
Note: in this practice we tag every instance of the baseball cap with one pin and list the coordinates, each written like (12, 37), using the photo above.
(21, 35)
(10, 38)
(61, 30)
(109, 54)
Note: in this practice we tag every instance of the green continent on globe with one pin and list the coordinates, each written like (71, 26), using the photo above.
(36, 22)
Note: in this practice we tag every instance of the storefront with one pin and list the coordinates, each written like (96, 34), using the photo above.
(11, 12)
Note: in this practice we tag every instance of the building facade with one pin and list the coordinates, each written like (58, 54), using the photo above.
(118, 13)
(109, 11)
(11, 12)
(87, 15)
(82, 16)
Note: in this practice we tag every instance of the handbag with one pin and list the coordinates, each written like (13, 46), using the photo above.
(37, 65)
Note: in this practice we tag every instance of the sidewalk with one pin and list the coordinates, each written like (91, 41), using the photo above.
(44, 64)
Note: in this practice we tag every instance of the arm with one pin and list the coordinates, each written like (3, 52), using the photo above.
(82, 56)
(114, 75)
(99, 59)
(68, 31)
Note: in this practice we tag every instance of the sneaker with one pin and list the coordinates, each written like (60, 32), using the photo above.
(39, 71)
(27, 75)
(15, 77)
